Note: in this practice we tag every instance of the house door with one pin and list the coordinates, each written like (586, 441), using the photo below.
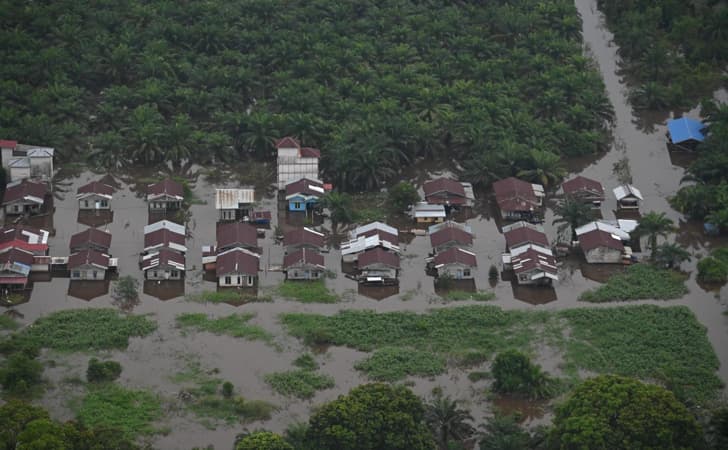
(459, 274)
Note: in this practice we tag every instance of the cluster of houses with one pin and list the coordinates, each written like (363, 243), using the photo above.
(442, 196)
(23, 250)
(452, 254)
(374, 250)
(528, 254)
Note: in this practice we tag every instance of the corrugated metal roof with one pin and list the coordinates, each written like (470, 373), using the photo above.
(363, 243)
(685, 129)
(165, 224)
(427, 210)
(233, 198)
(358, 231)
(602, 226)
(626, 190)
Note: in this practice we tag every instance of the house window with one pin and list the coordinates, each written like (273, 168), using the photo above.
(85, 203)
(76, 274)
(17, 208)
(523, 277)
(154, 274)
(251, 280)
(104, 203)
(240, 281)
(228, 280)
(174, 273)
(94, 274)
(297, 205)
(466, 272)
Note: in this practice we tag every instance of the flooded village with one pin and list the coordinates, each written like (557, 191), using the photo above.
(246, 228)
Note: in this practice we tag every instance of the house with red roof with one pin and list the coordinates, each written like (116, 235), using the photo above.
(165, 195)
(27, 238)
(449, 193)
(303, 238)
(600, 246)
(296, 162)
(455, 262)
(524, 233)
(163, 264)
(88, 265)
(585, 190)
(237, 267)
(24, 197)
(15, 267)
(304, 264)
(378, 265)
(450, 236)
(304, 194)
(94, 196)
(90, 238)
(518, 199)
(236, 234)
(533, 267)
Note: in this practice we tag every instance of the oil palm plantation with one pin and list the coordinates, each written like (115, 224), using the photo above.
(448, 422)
(572, 214)
(670, 255)
(653, 225)
(546, 168)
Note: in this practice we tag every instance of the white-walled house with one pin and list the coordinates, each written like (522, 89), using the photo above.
(94, 196)
(237, 267)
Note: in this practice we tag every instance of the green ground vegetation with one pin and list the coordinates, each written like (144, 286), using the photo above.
(644, 341)
(122, 84)
(306, 362)
(299, 383)
(714, 268)
(673, 52)
(110, 405)
(395, 363)
(479, 296)
(227, 296)
(639, 282)
(235, 325)
(308, 291)
(83, 330)
(7, 323)
(214, 400)
(102, 371)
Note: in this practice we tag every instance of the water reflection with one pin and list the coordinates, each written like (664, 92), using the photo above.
(523, 409)
(164, 289)
(96, 218)
(88, 290)
(377, 292)
(534, 295)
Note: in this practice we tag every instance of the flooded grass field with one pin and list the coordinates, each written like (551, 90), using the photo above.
(152, 362)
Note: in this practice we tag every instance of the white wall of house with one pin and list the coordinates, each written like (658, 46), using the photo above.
(603, 255)
(236, 280)
(379, 270)
(94, 202)
(19, 173)
(7, 155)
(19, 207)
(304, 273)
(457, 271)
(41, 167)
(163, 274)
(88, 273)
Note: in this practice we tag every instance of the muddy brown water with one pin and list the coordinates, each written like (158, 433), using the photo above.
(149, 362)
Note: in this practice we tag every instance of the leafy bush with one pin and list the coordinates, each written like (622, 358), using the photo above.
(263, 440)
(640, 281)
(235, 325)
(401, 196)
(299, 383)
(712, 270)
(7, 323)
(514, 373)
(307, 291)
(84, 330)
(227, 389)
(19, 374)
(306, 362)
(111, 405)
(395, 363)
(102, 371)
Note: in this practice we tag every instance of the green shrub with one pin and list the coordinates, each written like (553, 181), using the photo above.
(7, 323)
(102, 371)
(307, 291)
(640, 281)
(263, 440)
(227, 389)
(514, 373)
(19, 374)
(298, 383)
(395, 363)
(111, 405)
(306, 362)
(712, 270)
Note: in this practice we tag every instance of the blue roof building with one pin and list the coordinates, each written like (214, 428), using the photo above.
(685, 130)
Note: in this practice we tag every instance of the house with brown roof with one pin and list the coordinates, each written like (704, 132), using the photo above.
(234, 204)
(88, 265)
(455, 262)
(534, 267)
(378, 265)
(303, 238)
(165, 195)
(518, 199)
(27, 238)
(24, 197)
(237, 267)
(94, 196)
(304, 194)
(15, 267)
(296, 162)
(449, 193)
(163, 264)
(236, 234)
(304, 264)
(450, 236)
(524, 233)
(164, 238)
(585, 190)
(91, 238)
(601, 246)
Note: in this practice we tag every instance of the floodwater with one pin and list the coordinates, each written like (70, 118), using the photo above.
(148, 363)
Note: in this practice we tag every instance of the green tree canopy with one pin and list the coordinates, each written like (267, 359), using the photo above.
(263, 440)
(514, 373)
(371, 417)
(401, 196)
(615, 412)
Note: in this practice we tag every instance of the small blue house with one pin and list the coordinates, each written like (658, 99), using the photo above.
(685, 132)
(304, 194)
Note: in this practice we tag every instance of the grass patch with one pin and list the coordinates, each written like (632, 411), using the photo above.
(111, 405)
(644, 341)
(306, 362)
(479, 296)
(307, 291)
(84, 330)
(227, 296)
(638, 282)
(395, 363)
(235, 325)
(299, 383)
(7, 323)
(477, 375)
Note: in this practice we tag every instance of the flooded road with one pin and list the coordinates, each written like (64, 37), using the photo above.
(149, 362)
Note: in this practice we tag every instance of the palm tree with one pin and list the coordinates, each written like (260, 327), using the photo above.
(447, 421)
(718, 218)
(671, 255)
(572, 214)
(653, 225)
(546, 168)
(340, 208)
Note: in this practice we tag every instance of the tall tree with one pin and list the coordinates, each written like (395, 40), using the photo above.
(572, 214)
(448, 421)
(671, 255)
(546, 168)
(653, 225)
